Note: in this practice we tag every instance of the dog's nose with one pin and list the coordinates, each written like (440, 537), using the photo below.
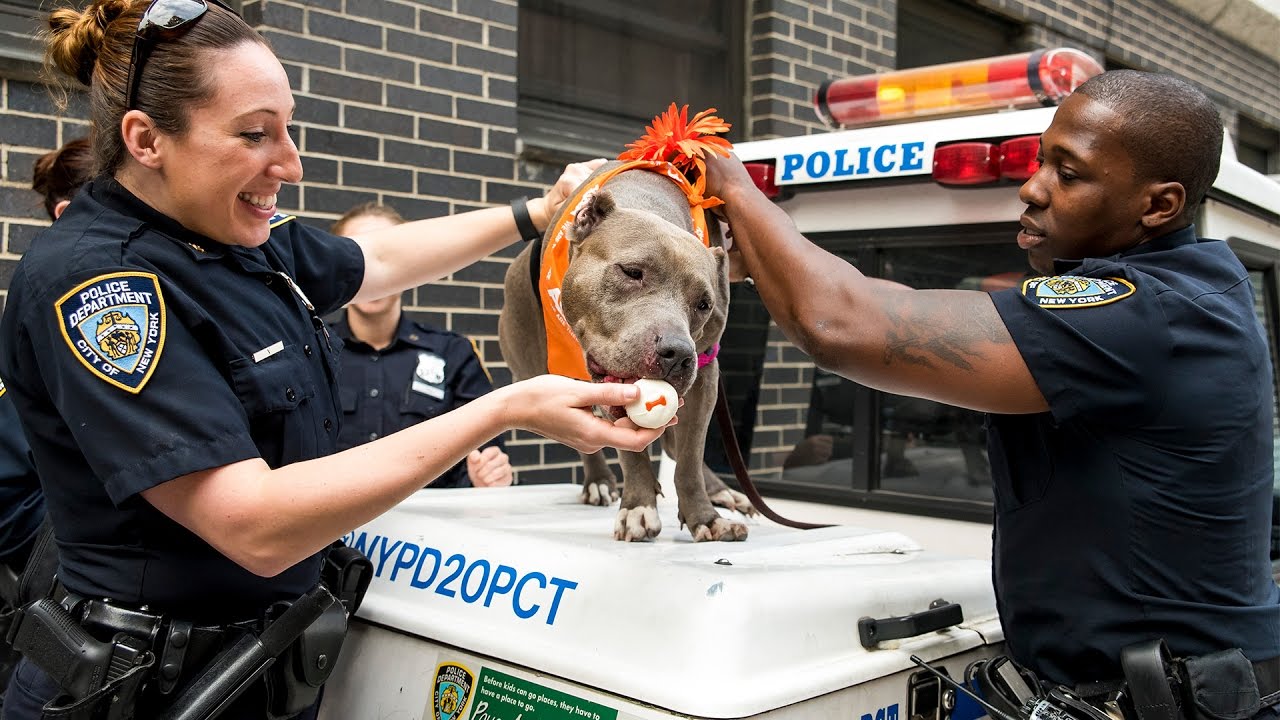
(674, 355)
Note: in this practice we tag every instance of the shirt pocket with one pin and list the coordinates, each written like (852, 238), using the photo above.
(416, 406)
(275, 384)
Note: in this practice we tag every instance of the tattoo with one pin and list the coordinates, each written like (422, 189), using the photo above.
(925, 331)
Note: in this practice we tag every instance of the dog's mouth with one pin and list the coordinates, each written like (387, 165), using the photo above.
(601, 374)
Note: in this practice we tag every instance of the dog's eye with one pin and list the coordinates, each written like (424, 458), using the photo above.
(634, 273)
(704, 305)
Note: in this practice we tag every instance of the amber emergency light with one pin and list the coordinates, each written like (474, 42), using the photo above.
(1031, 79)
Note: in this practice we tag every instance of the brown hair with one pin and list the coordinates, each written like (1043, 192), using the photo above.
(366, 210)
(94, 47)
(60, 173)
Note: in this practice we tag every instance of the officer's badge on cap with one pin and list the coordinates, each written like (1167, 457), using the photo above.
(1073, 291)
(114, 324)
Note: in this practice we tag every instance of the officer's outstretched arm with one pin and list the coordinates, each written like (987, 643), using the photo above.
(267, 520)
(944, 345)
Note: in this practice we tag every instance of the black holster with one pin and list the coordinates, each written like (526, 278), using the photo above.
(295, 679)
(1223, 685)
(347, 573)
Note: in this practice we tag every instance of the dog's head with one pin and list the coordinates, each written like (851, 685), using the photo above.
(643, 296)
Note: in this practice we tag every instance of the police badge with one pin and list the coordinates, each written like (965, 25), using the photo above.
(114, 324)
(452, 691)
(428, 377)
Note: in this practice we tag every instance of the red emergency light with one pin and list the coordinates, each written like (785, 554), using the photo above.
(979, 163)
(762, 173)
(1031, 79)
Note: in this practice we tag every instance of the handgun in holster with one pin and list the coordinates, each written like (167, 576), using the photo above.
(100, 680)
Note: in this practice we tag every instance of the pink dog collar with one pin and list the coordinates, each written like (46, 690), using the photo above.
(708, 357)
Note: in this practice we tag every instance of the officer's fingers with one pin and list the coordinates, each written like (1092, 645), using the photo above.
(491, 452)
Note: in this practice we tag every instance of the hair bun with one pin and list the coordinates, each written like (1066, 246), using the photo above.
(76, 38)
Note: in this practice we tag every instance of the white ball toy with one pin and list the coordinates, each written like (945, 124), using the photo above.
(656, 405)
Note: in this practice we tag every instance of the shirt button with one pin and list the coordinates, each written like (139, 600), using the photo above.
(290, 395)
(373, 436)
(373, 392)
(328, 424)
(373, 358)
(307, 349)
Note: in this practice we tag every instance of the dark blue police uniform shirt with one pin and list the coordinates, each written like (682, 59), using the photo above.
(1139, 505)
(21, 502)
(137, 352)
(424, 372)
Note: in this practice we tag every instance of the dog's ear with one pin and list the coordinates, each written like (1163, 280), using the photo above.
(594, 210)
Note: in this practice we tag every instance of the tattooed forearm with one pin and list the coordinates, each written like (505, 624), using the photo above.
(927, 330)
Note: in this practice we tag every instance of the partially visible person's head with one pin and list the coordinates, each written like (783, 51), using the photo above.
(205, 140)
(357, 221)
(1128, 157)
(58, 174)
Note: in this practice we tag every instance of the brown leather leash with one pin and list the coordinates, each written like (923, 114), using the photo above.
(734, 453)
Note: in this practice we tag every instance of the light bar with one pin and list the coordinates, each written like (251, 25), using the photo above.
(1032, 79)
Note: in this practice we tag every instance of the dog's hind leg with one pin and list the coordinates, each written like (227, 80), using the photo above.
(723, 495)
(638, 515)
(599, 486)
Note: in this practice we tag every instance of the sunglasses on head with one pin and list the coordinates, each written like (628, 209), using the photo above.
(163, 20)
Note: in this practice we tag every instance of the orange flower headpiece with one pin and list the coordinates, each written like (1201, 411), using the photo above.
(684, 143)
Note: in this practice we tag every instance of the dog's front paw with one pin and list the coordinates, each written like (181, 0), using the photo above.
(636, 524)
(733, 500)
(721, 529)
(598, 493)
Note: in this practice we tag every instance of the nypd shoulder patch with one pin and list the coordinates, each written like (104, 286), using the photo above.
(279, 219)
(114, 324)
(2, 387)
(1073, 291)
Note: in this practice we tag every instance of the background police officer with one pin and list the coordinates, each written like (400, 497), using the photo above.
(397, 371)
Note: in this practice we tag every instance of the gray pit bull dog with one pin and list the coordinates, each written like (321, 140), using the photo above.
(644, 297)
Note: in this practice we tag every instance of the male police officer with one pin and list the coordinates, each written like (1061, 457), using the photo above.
(397, 372)
(1129, 390)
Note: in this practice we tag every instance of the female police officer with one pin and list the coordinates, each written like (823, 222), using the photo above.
(164, 347)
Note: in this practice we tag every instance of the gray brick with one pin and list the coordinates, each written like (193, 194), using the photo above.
(770, 106)
(20, 237)
(315, 110)
(430, 103)
(482, 272)
(789, 49)
(833, 62)
(491, 299)
(486, 60)
(333, 200)
(345, 29)
(826, 21)
(416, 154)
(501, 89)
(494, 166)
(294, 73)
(419, 47)
(390, 13)
(289, 196)
(449, 133)
(378, 177)
(346, 87)
(770, 24)
(475, 323)
(29, 131)
(321, 171)
(343, 144)
(455, 28)
(304, 50)
(493, 10)
(812, 37)
(26, 97)
(22, 166)
(503, 193)
(486, 112)
(446, 185)
(501, 38)
(770, 66)
(793, 10)
(450, 80)
(501, 141)
(21, 203)
(379, 65)
(416, 208)
(275, 15)
(449, 295)
(378, 121)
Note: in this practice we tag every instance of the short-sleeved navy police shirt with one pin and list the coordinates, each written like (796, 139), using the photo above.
(137, 352)
(424, 372)
(21, 501)
(1139, 505)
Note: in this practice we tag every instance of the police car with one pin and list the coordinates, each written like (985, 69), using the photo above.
(516, 604)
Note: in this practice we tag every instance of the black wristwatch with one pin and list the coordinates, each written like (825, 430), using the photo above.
(524, 223)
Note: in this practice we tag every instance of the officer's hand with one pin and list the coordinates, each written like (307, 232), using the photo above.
(543, 210)
(489, 467)
(560, 408)
(727, 176)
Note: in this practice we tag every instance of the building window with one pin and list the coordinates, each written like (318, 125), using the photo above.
(593, 73)
(20, 52)
(932, 32)
(1258, 146)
